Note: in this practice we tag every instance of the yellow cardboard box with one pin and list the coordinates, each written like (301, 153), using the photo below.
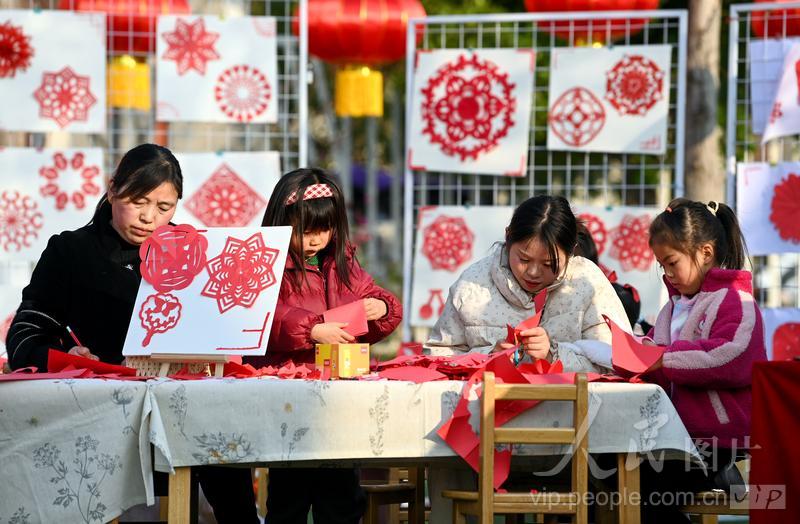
(344, 360)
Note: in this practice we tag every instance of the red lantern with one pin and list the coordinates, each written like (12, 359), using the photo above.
(358, 35)
(777, 23)
(601, 30)
(131, 23)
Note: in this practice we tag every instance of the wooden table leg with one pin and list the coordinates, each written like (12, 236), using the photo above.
(416, 510)
(629, 489)
(180, 496)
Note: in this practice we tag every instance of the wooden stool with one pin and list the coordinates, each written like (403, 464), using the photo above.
(405, 485)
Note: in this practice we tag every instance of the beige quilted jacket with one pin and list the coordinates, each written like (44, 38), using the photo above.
(486, 297)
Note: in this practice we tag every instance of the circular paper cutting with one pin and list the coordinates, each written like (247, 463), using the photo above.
(577, 117)
(172, 257)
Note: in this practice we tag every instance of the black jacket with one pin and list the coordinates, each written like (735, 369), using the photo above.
(85, 279)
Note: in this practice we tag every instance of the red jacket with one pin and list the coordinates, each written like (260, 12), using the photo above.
(298, 311)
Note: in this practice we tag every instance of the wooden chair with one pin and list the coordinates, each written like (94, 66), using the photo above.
(485, 502)
(709, 504)
(404, 486)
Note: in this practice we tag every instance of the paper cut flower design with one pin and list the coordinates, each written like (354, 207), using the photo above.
(172, 256)
(785, 208)
(225, 200)
(64, 171)
(242, 92)
(786, 341)
(447, 243)
(577, 117)
(65, 97)
(467, 107)
(20, 220)
(629, 243)
(239, 274)
(159, 313)
(776, 113)
(190, 46)
(597, 229)
(634, 85)
(15, 50)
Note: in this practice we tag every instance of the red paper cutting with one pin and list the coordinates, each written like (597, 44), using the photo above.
(354, 314)
(634, 85)
(58, 360)
(577, 117)
(20, 221)
(597, 229)
(628, 354)
(630, 243)
(468, 107)
(409, 349)
(447, 243)
(412, 374)
(426, 309)
(159, 313)
(239, 274)
(31, 374)
(190, 46)
(242, 92)
(15, 50)
(65, 97)
(172, 256)
(785, 208)
(58, 177)
(786, 341)
(225, 200)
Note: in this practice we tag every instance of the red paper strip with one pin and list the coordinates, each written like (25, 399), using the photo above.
(412, 374)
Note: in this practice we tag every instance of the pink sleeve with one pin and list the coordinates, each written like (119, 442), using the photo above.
(725, 358)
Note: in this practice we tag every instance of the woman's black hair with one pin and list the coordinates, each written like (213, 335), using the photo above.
(586, 246)
(316, 214)
(550, 220)
(686, 225)
(141, 170)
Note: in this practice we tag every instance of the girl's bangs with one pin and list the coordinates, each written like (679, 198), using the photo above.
(319, 214)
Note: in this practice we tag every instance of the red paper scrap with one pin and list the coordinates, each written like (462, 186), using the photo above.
(59, 360)
(412, 374)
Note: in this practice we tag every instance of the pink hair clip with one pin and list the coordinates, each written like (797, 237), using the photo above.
(669, 209)
(311, 192)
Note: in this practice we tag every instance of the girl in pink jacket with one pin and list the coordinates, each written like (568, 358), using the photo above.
(713, 332)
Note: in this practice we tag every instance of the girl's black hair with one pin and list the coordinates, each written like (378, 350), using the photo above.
(686, 225)
(317, 214)
(550, 220)
(585, 246)
(141, 170)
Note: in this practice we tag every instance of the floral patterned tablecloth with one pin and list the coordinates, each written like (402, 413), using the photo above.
(79, 450)
(70, 450)
(279, 421)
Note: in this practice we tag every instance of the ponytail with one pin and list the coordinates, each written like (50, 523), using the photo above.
(735, 256)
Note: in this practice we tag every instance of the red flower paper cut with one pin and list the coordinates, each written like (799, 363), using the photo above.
(20, 221)
(634, 85)
(190, 46)
(629, 243)
(467, 107)
(64, 175)
(785, 208)
(577, 117)
(786, 341)
(65, 97)
(597, 229)
(225, 200)
(240, 273)
(159, 313)
(242, 92)
(447, 243)
(172, 256)
(15, 50)
(776, 113)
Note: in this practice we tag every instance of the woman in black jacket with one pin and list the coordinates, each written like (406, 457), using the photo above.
(87, 280)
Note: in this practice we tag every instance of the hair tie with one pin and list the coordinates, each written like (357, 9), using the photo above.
(712, 209)
(669, 209)
(311, 192)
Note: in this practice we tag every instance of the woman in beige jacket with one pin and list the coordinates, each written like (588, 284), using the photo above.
(499, 289)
